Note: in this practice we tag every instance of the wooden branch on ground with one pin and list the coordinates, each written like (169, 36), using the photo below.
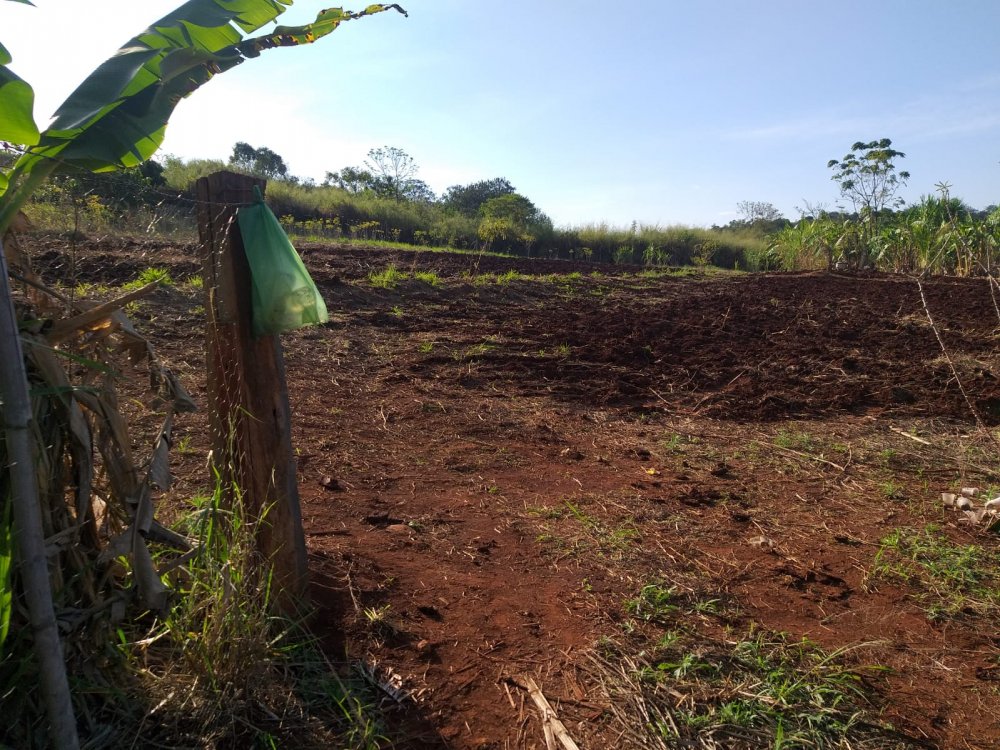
(554, 729)
(911, 436)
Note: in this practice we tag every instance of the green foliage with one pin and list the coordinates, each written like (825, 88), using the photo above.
(388, 278)
(388, 172)
(952, 580)
(761, 690)
(652, 245)
(149, 276)
(655, 602)
(393, 173)
(940, 234)
(428, 277)
(182, 175)
(262, 162)
(867, 176)
(117, 117)
(17, 100)
(468, 199)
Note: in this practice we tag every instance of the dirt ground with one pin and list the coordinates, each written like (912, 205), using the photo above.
(491, 469)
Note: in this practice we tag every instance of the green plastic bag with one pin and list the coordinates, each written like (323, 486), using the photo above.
(283, 296)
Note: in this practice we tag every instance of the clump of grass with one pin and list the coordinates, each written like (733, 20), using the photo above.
(388, 278)
(477, 350)
(795, 440)
(428, 277)
(87, 289)
(953, 580)
(762, 690)
(508, 277)
(149, 276)
(674, 443)
(655, 602)
(225, 668)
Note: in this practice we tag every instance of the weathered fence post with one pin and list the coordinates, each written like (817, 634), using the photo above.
(249, 414)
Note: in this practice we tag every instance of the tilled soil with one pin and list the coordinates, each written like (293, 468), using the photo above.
(472, 453)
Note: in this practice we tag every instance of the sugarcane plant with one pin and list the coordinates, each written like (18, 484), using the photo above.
(114, 120)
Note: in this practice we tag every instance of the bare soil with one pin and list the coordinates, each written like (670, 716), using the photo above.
(489, 471)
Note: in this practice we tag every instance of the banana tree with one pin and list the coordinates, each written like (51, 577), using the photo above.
(114, 120)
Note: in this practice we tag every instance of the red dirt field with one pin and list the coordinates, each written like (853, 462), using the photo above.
(491, 471)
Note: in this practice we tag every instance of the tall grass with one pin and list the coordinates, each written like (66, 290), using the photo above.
(653, 245)
(938, 235)
(222, 667)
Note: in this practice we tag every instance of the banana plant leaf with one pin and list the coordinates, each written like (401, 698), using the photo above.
(117, 117)
(17, 101)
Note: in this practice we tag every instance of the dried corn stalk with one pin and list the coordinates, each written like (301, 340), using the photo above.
(96, 495)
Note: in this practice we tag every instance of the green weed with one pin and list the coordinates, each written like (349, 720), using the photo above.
(763, 690)
(508, 277)
(150, 276)
(795, 440)
(655, 602)
(428, 277)
(953, 580)
(388, 278)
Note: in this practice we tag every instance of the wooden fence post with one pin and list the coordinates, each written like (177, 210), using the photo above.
(249, 414)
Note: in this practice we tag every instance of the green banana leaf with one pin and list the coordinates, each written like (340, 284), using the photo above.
(17, 100)
(117, 117)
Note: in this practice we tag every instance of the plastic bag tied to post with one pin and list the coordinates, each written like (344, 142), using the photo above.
(283, 295)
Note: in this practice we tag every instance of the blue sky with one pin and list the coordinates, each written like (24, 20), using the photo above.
(658, 111)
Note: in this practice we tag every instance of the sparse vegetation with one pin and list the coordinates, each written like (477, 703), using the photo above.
(950, 580)
(388, 278)
(761, 690)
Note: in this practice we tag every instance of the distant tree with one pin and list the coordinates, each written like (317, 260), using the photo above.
(513, 206)
(393, 170)
(868, 178)
(510, 221)
(419, 191)
(752, 212)
(259, 161)
(468, 199)
(352, 179)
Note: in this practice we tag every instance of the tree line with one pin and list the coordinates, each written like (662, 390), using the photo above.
(383, 199)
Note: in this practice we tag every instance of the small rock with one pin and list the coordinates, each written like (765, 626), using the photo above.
(970, 491)
(331, 484)
(761, 541)
(398, 528)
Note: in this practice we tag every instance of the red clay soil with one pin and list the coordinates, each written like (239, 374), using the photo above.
(442, 432)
